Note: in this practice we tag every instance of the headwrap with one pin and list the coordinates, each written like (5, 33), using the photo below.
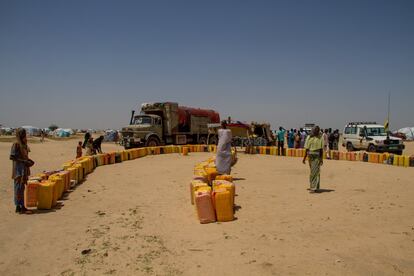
(315, 132)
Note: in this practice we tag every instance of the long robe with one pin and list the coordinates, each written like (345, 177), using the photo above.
(223, 158)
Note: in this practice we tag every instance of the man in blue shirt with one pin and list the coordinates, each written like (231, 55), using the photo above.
(281, 140)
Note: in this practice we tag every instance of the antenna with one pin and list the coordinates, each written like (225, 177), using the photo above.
(389, 100)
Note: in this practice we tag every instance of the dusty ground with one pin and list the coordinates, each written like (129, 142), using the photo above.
(135, 218)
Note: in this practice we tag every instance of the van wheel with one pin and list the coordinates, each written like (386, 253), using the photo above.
(152, 142)
(372, 148)
(349, 146)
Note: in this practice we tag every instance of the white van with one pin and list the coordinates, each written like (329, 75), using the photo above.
(370, 136)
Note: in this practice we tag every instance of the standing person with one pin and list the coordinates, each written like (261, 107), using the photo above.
(89, 147)
(326, 148)
(331, 139)
(223, 156)
(281, 140)
(79, 150)
(303, 135)
(297, 139)
(21, 168)
(336, 139)
(314, 149)
(97, 144)
(42, 135)
(291, 138)
(86, 139)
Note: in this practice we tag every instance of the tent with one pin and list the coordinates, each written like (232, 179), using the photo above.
(408, 131)
(111, 135)
(32, 131)
(63, 132)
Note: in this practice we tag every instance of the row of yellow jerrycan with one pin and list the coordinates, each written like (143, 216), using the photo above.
(44, 190)
(214, 202)
(383, 158)
(372, 157)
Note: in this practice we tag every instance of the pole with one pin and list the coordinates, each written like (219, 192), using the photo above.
(389, 100)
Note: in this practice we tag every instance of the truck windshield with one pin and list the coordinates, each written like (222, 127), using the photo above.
(142, 120)
(376, 131)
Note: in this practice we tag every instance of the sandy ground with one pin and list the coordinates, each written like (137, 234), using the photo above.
(135, 218)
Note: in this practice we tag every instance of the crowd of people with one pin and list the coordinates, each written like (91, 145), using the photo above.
(296, 138)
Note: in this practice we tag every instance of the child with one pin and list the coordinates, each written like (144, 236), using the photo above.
(79, 150)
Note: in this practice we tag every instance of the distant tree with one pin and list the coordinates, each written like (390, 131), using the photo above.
(53, 127)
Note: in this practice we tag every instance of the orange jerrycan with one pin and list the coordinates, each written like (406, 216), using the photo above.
(30, 193)
(226, 177)
(204, 207)
(195, 185)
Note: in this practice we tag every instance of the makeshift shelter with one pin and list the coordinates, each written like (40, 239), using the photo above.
(111, 135)
(32, 131)
(408, 131)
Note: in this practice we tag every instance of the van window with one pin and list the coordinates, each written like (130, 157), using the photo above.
(347, 130)
(353, 130)
(350, 130)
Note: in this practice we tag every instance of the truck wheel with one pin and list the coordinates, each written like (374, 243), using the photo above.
(213, 140)
(349, 146)
(202, 140)
(372, 148)
(152, 142)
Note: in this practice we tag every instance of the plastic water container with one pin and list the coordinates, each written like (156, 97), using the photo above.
(44, 195)
(195, 185)
(204, 207)
(211, 173)
(30, 193)
(60, 185)
(229, 186)
(223, 205)
(226, 177)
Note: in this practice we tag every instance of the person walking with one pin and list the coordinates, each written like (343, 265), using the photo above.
(314, 150)
(19, 154)
(223, 156)
(281, 140)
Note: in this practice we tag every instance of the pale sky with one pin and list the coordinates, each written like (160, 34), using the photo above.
(86, 64)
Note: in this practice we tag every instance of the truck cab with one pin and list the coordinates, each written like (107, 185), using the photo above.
(167, 123)
(370, 136)
(144, 130)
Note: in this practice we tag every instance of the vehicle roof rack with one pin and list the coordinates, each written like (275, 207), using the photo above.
(362, 123)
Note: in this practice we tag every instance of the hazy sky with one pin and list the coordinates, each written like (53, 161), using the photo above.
(87, 64)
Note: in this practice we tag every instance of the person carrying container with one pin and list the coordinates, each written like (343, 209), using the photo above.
(223, 156)
(314, 150)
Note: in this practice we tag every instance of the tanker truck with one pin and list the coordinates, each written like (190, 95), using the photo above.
(167, 123)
